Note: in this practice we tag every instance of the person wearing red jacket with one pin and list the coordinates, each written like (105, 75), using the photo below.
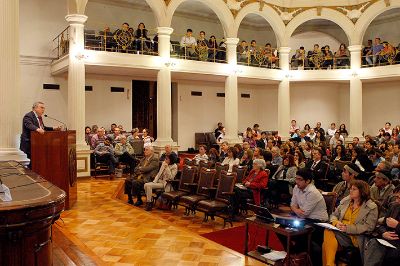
(251, 186)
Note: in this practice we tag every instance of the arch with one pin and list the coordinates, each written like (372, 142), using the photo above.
(219, 7)
(328, 14)
(268, 13)
(159, 10)
(369, 15)
(76, 6)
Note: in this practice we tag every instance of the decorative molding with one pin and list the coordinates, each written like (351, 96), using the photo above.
(35, 60)
(353, 12)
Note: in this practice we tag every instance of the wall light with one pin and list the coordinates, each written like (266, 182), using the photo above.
(81, 56)
(170, 64)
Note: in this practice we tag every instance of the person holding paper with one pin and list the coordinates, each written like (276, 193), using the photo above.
(377, 253)
(356, 215)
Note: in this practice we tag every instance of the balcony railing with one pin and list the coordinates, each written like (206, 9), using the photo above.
(258, 56)
(383, 59)
(61, 44)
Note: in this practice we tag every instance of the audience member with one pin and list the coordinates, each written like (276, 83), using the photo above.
(342, 56)
(201, 156)
(167, 172)
(356, 214)
(188, 44)
(169, 152)
(332, 130)
(224, 151)
(231, 159)
(144, 172)
(381, 190)
(104, 153)
(124, 152)
(147, 139)
(349, 174)
(372, 55)
(98, 138)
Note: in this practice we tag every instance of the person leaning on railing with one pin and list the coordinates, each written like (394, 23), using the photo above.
(212, 49)
(356, 215)
(387, 54)
(328, 57)
(342, 56)
(188, 44)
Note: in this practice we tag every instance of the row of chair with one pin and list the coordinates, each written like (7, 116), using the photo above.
(196, 192)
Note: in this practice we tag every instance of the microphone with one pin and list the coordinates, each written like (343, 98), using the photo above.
(65, 125)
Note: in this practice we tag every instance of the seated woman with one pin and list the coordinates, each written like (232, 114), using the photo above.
(377, 254)
(339, 154)
(258, 153)
(147, 139)
(357, 214)
(252, 184)
(343, 131)
(349, 174)
(213, 155)
(201, 156)
(167, 172)
(247, 160)
(328, 57)
(283, 180)
(342, 56)
(231, 159)
(299, 159)
(249, 137)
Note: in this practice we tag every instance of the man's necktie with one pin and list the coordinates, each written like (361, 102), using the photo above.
(40, 122)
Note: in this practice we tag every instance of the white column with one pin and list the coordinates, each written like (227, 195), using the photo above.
(356, 128)
(10, 118)
(76, 79)
(231, 94)
(164, 108)
(284, 95)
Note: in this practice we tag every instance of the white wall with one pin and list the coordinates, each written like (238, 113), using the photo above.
(40, 22)
(319, 102)
(380, 105)
(201, 114)
(309, 38)
(104, 107)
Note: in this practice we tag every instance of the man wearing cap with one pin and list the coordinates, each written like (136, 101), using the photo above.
(349, 173)
(381, 190)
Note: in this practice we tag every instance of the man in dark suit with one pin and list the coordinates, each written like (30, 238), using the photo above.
(318, 168)
(32, 121)
(262, 142)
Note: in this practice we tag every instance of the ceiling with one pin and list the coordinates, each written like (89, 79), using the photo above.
(198, 9)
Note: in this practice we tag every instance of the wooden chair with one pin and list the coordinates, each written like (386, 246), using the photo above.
(240, 171)
(219, 167)
(221, 205)
(187, 177)
(206, 181)
(187, 161)
(330, 201)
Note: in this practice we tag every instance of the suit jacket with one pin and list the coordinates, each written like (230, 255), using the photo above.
(259, 181)
(29, 123)
(261, 144)
(147, 171)
(393, 212)
(319, 170)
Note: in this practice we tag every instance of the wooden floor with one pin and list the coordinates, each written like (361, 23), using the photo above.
(101, 229)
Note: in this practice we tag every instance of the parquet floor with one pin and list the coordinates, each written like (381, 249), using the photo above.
(110, 232)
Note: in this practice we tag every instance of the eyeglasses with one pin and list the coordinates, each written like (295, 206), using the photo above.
(299, 179)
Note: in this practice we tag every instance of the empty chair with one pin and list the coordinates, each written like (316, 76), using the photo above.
(187, 177)
(206, 181)
(221, 205)
(330, 201)
(240, 172)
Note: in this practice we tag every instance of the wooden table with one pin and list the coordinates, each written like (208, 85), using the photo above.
(25, 222)
(289, 233)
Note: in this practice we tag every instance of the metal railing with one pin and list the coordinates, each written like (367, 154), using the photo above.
(384, 58)
(198, 52)
(61, 44)
(258, 56)
(318, 61)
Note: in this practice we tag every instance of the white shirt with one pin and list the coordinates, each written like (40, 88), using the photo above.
(331, 132)
(231, 162)
(311, 201)
(188, 41)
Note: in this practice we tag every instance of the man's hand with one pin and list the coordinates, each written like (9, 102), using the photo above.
(57, 128)
(390, 236)
(392, 223)
(299, 212)
(40, 130)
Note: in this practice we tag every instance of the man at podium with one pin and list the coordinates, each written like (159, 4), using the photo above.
(33, 121)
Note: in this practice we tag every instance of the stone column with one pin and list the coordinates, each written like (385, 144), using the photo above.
(76, 79)
(10, 117)
(284, 95)
(164, 108)
(231, 93)
(355, 119)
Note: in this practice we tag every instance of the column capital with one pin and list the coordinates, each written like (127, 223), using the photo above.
(76, 18)
(284, 50)
(232, 41)
(355, 48)
(164, 30)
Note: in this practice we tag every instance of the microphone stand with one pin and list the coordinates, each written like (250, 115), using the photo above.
(65, 125)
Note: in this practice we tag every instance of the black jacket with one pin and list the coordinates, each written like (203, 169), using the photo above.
(29, 123)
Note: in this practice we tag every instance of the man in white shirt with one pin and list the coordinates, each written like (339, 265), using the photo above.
(388, 128)
(311, 134)
(188, 44)
(332, 130)
(335, 140)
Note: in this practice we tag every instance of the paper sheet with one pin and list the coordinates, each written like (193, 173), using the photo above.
(385, 243)
(275, 255)
(328, 226)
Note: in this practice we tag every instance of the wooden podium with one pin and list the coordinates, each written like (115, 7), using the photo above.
(53, 156)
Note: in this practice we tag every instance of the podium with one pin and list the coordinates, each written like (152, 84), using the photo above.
(53, 156)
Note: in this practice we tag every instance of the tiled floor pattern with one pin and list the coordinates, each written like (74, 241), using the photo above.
(119, 234)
